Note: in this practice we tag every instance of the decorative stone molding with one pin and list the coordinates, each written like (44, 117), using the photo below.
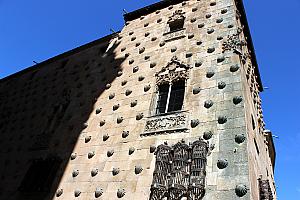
(233, 43)
(241, 190)
(174, 35)
(265, 191)
(174, 71)
(166, 123)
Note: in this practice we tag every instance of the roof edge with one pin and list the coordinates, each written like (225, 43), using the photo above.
(60, 56)
(149, 9)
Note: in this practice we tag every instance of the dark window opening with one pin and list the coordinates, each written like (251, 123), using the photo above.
(253, 123)
(256, 147)
(170, 97)
(176, 25)
(40, 176)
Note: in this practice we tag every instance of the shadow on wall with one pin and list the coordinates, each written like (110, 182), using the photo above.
(43, 114)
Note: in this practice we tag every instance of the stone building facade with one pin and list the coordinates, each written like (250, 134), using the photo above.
(166, 109)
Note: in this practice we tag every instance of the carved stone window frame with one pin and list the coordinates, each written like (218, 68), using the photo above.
(174, 71)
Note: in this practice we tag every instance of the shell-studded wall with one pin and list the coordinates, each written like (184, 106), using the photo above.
(94, 110)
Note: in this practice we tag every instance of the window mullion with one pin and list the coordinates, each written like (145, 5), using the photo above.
(168, 99)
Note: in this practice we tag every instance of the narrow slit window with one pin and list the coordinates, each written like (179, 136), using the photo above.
(170, 97)
(256, 146)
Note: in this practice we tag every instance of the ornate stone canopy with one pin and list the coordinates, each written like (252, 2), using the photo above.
(174, 71)
(178, 15)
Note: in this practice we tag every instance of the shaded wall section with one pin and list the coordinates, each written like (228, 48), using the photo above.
(43, 111)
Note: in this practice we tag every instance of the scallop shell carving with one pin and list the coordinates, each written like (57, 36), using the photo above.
(123, 82)
(135, 69)
(195, 123)
(207, 135)
(131, 150)
(133, 103)
(221, 85)
(222, 119)
(147, 88)
(222, 163)
(139, 116)
(75, 172)
(128, 92)
(115, 171)
(87, 139)
(98, 192)
(125, 134)
(110, 153)
(238, 99)
(121, 193)
(152, 148)
(73, 156)
(115, 107)
(91, 154)
(59, 192)
(108, 85)
(153, 64)
(241, 190)
(94, 172)
(77, 193)
(196, 90)
(111, 96)
(98, 110)
(141, 78)
(240, 138)
(105, 137)
(120, 120)
(210, 74)
(220, 59)
(102, 123)
(138, 169)
(208, 104)
(234, 68)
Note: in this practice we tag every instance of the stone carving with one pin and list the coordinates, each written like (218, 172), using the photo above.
(131, 150)
(77, 193)
(141, 50)
(180, 171)
(237, 99)
(98, 192)
(128, 92)
(135, 69)
(222, 163)
(75, 172)
(141, 78)
(198, 63)
(105, 137)
(207, 135)
(166, 123)
(139, 116)
(195, 123)
(265, 191)
(94, 172)
(87, 139)
(98, 110)
(102, 122)
(73, 156)
(174, 71)
(222, 119)
(91, 154)
(178, 15)
(240, 138)
(189, 54)
(147, 87)
(152, 148)
(111, 96)
(125, 134)
(115, 171)
(234, 68)
(196, 90)
(120, 120)
(108, 85)
(120, 73)
(133, 103)
(241, 190)
(208, 104)
(115, 107)
(152, 64)
(121, 193)
(138, 169)
(220, 59)
(173, 36)
(211, 50)
(210, 31)
(221, 85)
(59, 192)
(110, 153)
(233, 43)
(210, 74)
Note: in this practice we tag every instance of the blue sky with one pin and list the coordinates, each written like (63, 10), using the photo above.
(35, 30)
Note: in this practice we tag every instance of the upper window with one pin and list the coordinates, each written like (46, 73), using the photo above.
(176, 21)
(170, 97)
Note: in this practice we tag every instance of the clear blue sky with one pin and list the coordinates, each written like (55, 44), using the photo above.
(37, 30)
